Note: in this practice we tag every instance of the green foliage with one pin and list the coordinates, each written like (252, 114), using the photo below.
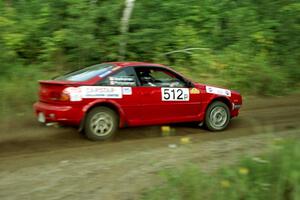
(249, 45)
(273, 176)
(20, 89)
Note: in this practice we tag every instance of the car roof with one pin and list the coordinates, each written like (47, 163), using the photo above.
(127, 64)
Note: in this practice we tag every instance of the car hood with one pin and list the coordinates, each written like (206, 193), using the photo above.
(235, 96)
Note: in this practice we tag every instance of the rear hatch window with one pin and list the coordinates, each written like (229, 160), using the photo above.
(87, 73)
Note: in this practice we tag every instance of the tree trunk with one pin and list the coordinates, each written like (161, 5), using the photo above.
(129, 4)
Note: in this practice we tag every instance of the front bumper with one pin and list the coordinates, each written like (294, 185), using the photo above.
(236, 106)
(57, 113)
(235, 109)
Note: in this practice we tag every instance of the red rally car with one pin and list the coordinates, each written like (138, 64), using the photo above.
(103, 97)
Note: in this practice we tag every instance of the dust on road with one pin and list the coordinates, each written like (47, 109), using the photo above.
(38, 162)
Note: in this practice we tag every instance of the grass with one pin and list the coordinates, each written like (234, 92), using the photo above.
(19, 91)
(273, 176)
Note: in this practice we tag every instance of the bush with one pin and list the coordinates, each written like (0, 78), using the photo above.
(273, 176)
(248, 45)
(19, 89)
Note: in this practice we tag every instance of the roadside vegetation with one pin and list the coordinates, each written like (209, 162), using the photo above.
(250, 46)
(275, 175)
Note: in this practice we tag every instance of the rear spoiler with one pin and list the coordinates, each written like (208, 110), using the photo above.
(55, 82)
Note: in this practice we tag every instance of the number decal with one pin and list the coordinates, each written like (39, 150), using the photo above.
(175, 94)
(180, 94)
(166, 94)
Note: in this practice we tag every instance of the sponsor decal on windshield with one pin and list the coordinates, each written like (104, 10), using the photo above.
(116, 68)
(105, 74)
(122, 81)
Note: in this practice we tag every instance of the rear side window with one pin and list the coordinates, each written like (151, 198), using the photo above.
(85, 74)
(125, 77)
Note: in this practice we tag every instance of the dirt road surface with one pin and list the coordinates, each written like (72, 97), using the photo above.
(38, 162)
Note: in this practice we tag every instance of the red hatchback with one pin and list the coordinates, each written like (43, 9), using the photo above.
(103, 97)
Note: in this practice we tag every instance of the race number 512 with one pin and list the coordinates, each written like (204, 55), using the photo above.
(175, 94)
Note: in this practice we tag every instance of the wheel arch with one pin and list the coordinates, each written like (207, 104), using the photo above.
(221, 99)
(109, 104)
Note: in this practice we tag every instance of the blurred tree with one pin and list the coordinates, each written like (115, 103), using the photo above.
(129, 4)
(229, 39)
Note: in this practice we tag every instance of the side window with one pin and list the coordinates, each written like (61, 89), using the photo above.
(125, 77)
(158, 77)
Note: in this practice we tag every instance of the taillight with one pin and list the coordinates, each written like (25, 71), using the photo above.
(59, 96)
(54, 95)
(64, 97)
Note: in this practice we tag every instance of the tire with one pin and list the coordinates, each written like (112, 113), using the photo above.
(217, 116)
(101, 123)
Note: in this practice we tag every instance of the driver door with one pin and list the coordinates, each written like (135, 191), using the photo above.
(165, 97)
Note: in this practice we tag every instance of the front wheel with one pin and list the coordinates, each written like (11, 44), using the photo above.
(101, 123)
(217, 116)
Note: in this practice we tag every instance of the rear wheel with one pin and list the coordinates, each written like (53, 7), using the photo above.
(217, 116)
(101, 123)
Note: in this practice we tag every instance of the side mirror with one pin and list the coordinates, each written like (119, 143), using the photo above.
(189, 84)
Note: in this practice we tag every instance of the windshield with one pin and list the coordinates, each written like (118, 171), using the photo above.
(87, 73)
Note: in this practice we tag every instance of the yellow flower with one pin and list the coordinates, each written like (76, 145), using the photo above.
(165, 129)
(225, 184)
(185, 140)
(244, 170)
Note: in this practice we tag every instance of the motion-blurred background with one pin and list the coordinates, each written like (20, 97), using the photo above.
(250, 45)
